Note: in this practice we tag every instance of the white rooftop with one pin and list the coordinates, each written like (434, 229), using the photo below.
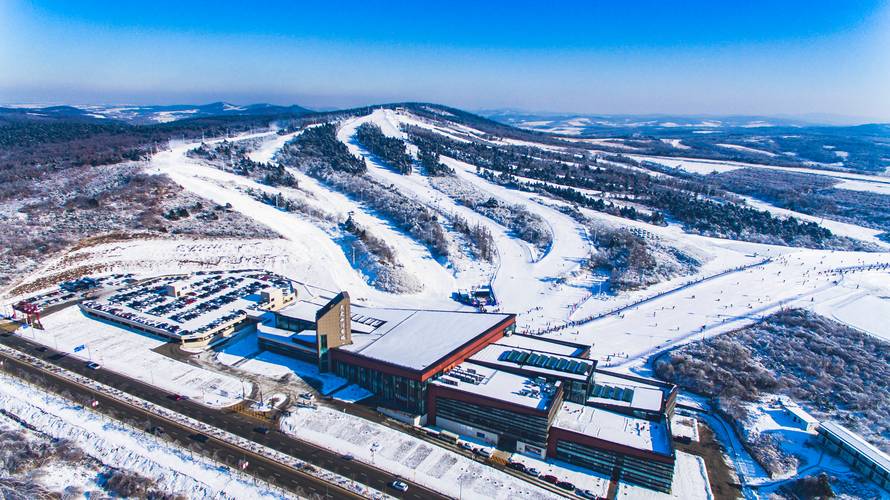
(492, 354)
(645, 396)
(498, 385)
(614, 427)
(538, 344)
(800, 413)
(415, 339)
(856, 441)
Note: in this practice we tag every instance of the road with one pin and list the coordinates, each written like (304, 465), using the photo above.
(235, 423)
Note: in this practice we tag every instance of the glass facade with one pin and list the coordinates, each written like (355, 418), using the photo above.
(395, 392)
(575, 391)
(514, 426)
(648, 473)
(294, 325)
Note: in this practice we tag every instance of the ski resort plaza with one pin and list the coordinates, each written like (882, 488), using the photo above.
(466, 373)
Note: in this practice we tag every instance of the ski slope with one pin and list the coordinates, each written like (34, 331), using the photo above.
(522, 281)
(322, 261)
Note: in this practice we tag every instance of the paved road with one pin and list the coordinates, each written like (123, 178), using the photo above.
(238, 424)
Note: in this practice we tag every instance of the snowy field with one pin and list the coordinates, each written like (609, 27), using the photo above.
(321, 261)
(793, 278)
(848, 180)
(131, 354)
(174, 470)
(406, 456)
(854, 231)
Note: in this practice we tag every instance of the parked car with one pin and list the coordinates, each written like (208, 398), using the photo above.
(465, 445)
(516, 466)
(156, 430)
(261, 430)
(587, 494)
(566, 485)
(307, 395)
(201, 438)
(177, 397)
(531, 471)
(348, 456)
(485, 452)
(549, 478)
(399, 485)
(92, 365)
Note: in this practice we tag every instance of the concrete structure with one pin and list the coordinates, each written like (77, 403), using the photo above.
(800, 416)
(512, 412)
(863, 456)
(391, 352)
(635, 450)
(470, 374)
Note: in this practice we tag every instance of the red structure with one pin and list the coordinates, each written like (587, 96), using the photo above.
(31, 312)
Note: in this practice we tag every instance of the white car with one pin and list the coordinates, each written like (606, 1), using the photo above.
(398, 485)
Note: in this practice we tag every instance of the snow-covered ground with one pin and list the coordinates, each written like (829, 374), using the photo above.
(865, 306)
(114, 444)
(849, 180)
(132, 354)
(793, 278)
(321, 260)
(406, 456)
(244, 354)
(523, 280)
(854, 231)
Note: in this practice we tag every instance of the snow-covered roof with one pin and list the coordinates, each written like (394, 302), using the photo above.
(499, 385)
(414, 339)
(800, 413)
(539, 344)
(643, 396)
(499, 355)
(614, 427)
(418, 339)
(856, 441)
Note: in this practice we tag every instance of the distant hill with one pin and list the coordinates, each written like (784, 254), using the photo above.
(143, 115)
(610, 125)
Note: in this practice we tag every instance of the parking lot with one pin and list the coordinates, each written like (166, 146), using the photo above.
(189, 306)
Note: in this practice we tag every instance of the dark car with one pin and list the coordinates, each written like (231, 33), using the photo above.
(516, 466)
(41, 349)
(177, 397)
(156, 430)
(566, 485)
(550, 479)
(201, 438)
(261, 430)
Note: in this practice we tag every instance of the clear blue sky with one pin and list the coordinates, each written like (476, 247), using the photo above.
(703, 57)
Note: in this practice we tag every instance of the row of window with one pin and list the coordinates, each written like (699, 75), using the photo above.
(527, 428)
(650, 474)
(396, 392)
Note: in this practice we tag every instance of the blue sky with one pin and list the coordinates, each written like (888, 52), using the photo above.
(714, 57)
